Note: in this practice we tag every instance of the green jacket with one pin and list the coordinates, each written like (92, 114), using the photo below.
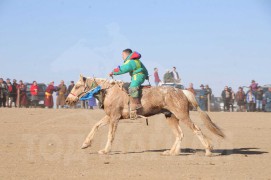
(132, 66)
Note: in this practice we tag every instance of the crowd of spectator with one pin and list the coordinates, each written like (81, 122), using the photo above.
(15, 95)
(255, 99)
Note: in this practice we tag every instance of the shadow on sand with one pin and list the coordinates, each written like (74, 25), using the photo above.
(189, 151)
(226, 152)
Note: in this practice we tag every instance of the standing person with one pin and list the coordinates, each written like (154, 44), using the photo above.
(9, 96)
(139, 74)
(226, 96)
(240, 98)
(254, 93)
(21, 94)
(231, 102)
(251, 101)
(48, 99)
(191, 89)
(202, 98)
(62, 90)
(156, 77)
(70, 87)
(84, 104)
(209, 96)
(34, 94)
(253, 86)
(3, 93)
(267, 98)
(209, 90)
(175, 75)
(259, 99)
(92, 102)
(14, 91)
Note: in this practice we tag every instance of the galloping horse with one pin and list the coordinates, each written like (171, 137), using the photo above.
(172, 102)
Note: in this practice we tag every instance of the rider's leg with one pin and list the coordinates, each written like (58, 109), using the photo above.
(134, 91)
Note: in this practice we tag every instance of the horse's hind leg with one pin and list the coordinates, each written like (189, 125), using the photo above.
(111, 135)
(174, 124)
(205, 142)
(104, 121)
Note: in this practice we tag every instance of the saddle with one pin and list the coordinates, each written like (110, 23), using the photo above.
(133, 113)
(125, 87)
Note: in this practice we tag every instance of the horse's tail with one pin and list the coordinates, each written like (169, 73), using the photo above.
(203, 115)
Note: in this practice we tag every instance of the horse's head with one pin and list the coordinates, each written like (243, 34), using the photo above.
(79, 90)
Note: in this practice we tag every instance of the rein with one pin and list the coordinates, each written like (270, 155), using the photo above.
(93, 85)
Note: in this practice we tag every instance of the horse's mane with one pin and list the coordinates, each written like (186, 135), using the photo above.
(110, 81)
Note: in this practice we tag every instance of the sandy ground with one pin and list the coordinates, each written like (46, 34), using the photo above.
(45, 144)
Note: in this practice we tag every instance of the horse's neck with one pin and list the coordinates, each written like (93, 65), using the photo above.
(104, 83)
(100, 82)
(115, 88)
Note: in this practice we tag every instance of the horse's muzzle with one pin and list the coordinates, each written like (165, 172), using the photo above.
(71, 100)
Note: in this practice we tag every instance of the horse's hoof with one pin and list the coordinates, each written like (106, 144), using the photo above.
(85, 145)
(208, 153)
(102, 152)
(166, 153)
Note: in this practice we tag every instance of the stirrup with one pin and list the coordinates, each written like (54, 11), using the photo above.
(133, 114)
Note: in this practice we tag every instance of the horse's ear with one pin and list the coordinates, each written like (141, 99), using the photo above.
(81, 77)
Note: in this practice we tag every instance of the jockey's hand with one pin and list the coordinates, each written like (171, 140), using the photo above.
(111, 74)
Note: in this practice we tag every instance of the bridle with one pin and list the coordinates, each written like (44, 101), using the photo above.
(87, 89)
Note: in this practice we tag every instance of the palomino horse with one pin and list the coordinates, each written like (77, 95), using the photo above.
(174, 103)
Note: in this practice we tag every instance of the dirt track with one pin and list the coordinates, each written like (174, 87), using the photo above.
(45, 144)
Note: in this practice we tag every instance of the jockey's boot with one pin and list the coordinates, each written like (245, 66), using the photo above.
(135, 105)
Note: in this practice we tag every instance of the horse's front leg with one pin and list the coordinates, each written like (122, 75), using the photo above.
(111, 135)
(104, 121)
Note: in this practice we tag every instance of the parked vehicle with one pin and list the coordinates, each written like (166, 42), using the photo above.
(265, 87)
(217, 104)
(41, 93)
(179, 86)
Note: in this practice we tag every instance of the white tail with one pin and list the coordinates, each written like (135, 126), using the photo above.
(204, 116)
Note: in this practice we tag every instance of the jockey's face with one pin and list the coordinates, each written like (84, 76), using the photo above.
(124, 55)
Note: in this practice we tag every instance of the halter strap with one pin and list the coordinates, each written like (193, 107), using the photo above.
(87, 89)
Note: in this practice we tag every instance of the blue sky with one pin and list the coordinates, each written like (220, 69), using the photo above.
(212, 42)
